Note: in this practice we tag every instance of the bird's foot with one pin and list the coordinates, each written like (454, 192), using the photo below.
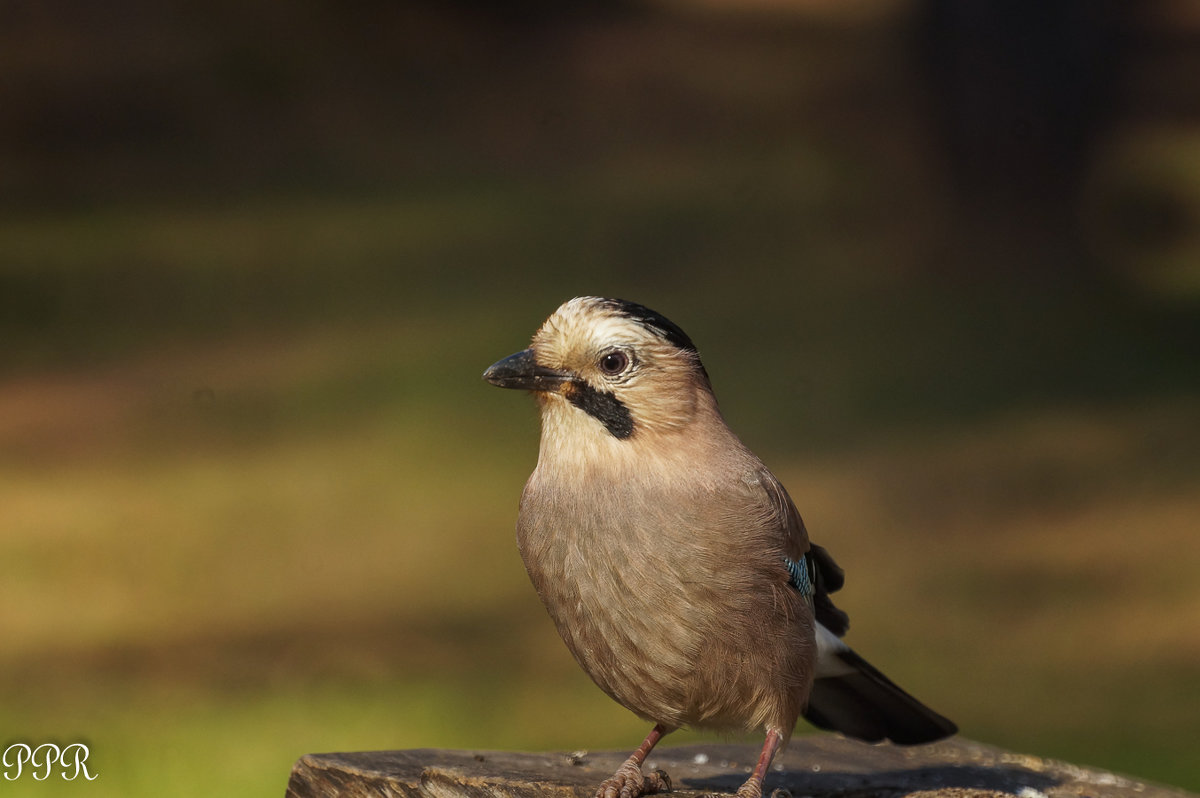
(630, 782)
(656, 782)
(751, 789)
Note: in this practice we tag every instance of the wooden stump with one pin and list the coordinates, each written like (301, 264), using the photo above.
(820, 766)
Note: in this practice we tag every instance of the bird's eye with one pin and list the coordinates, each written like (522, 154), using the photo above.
(614, 362)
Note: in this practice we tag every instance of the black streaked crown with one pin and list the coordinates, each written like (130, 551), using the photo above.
(652, 320)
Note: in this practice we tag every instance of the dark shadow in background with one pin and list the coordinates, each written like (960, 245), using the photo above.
(1023, 92)
(143, 105)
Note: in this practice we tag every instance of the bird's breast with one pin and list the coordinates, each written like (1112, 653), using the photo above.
(608, 587)
(664, 599)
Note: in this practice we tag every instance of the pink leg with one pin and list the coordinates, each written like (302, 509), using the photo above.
(753, 786)
(629, 781)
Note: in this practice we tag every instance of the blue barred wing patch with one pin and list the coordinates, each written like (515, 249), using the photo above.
(800, 576)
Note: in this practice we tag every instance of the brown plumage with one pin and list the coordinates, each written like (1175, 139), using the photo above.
(661, 547)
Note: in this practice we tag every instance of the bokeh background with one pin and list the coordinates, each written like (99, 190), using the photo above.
(942, 260)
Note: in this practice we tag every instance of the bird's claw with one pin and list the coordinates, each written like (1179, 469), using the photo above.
(630, 782)
(656, 782)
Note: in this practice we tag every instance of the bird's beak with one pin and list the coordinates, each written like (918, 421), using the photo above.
(522, 371)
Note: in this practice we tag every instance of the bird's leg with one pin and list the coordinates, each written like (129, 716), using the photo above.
(753, 786)
(629, 781)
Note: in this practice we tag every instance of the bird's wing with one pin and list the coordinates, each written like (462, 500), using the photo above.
(851, 696)
(825, 574)
(795, 536)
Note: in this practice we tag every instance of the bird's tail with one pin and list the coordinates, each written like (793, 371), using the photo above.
(851, 696)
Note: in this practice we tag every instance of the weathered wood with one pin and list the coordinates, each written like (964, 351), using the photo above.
(817, 766)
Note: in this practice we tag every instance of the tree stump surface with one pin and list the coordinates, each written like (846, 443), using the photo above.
(819, 766)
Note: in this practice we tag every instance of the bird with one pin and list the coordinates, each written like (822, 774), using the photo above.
(672, 562)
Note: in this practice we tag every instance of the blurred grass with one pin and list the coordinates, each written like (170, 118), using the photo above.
(223, 548)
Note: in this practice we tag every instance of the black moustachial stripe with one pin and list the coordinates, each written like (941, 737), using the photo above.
(602, 406)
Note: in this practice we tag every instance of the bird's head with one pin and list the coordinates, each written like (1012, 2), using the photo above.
(612, 367)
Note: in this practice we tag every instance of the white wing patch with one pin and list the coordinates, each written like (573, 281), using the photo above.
(829, 663)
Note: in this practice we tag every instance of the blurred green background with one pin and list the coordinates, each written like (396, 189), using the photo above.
(942, 261)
